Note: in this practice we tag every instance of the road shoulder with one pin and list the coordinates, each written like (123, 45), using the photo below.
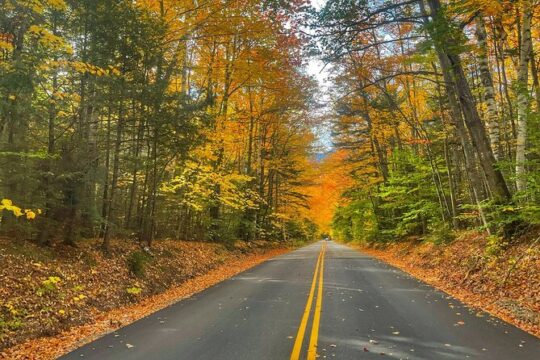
(107, 321)
(480, 285)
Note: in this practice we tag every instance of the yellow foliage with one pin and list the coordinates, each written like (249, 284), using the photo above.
(56, 4)
(39, 6)
(49, 40)
(488, 7)
(79, 297)
(332, 178)
(4, 45)
(7, 204)
(30, 215)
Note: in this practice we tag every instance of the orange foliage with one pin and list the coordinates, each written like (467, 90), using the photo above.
(331, 179)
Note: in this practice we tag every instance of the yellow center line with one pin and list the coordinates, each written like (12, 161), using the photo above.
(312, 349)
(295, 355)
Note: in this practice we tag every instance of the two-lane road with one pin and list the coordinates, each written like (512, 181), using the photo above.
(322, 301)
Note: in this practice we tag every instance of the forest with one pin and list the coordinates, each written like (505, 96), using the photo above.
(152, 119)
(436, 107)
(174, 119)
(134, 128)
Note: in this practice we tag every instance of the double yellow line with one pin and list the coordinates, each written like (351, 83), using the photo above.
(312, 348)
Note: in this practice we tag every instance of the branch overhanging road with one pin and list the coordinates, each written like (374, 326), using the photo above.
(323, 301)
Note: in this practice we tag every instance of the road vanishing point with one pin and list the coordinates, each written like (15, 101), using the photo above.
(322, 301)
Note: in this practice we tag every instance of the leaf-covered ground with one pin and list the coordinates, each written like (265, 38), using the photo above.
(503, 280)
(64, 296)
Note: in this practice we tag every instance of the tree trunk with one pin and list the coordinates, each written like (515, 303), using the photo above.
(105, 196)
(114, 180)
(523, 96)
(492, 118)
(451, 66)
(468, 152)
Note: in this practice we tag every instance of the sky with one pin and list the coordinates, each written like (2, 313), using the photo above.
(315, 66)
(317, 69)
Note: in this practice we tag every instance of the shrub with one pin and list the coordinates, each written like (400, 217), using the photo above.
(48, 285)
(495, 245)
(137, 262)
(134, 290)
(441, 233)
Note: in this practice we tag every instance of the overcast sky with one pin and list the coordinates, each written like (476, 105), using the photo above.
(317, 69)
(315, 66)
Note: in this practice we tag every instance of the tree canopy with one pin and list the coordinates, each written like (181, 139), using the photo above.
(198, 120)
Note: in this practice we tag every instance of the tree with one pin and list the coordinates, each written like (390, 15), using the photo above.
(118, 118)
(417, 97)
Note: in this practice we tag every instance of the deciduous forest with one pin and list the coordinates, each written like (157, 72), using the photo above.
(436, 106)
(136, 134)
(153, 119)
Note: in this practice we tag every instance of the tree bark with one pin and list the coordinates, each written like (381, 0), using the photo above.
(492, 118)
(451, 66)
(114, 180)
(523, 96)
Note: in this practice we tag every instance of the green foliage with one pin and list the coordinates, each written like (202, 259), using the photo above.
(446, 34)
(78, 288)
(419, 133)
(134, 290)
(406, 205)
(356, 222)
(494, 245)
(224, 229)
(284, 228)
(301, 230)
(137, 262)
(11, 325)
(49, 285)
(31, 252)
(441, 233)
(116, 126)
(11, 318)
(530, 199)
(509, 221)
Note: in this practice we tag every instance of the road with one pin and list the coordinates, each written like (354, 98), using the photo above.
(323, 301)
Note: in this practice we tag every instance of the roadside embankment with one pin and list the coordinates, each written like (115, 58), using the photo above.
(54, 299)
(501, 279)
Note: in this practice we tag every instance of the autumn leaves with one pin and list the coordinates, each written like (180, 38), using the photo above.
(8, 205)
(160, 119)
(436, 106)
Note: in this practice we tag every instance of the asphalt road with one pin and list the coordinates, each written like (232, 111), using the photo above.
(368, 310)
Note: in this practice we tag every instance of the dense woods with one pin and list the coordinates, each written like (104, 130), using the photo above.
(152, 119)
(182, 119)
(436, 105)
(194, 120)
